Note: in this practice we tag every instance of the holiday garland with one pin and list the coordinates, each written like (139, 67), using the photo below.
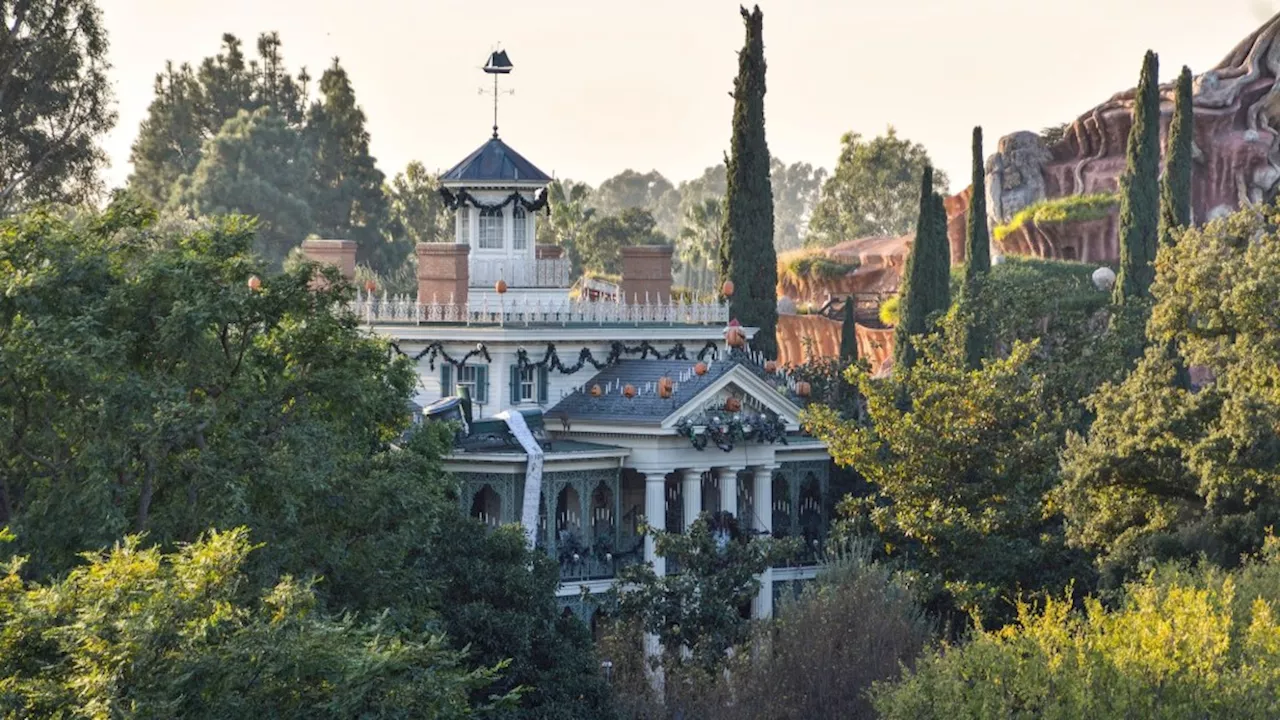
(436, 349)
(551, 358)
(724, 430)
(453, 201)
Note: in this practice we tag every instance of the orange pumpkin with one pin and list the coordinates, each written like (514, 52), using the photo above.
(727, 289)
(596, 391)
(629, 391)
(803, 389)
(500, 286)
(735, 337)
(255, 283)
(665, 386)
(700, 369)
(732, 404)
(771, 366)
(370, 285)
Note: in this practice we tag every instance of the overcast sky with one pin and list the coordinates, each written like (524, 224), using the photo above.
(603, 85)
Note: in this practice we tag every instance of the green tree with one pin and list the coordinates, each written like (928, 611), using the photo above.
(796, 189)
(56, 101)
(137, 633)
(256, 165)
(347, 200)
(699, 243)
(926, 288)
(747, 255)
(571, 216)
(605, 235)
(1140, 191)
(1175, 186)
(629, 190)
(977, 340)
(170, 138)
(848, 334)
(873, 190)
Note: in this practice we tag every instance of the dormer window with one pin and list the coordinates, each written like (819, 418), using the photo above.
(519, 229)
(491, 229)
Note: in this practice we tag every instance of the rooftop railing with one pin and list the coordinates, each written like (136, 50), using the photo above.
(519, 273)
(402, 310)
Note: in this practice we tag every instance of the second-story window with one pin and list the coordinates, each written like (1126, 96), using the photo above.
(491, 229)
(519, 229)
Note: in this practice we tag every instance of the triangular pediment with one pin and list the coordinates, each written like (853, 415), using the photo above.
(742, 389)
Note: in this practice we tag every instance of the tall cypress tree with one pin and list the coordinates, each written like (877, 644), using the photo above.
(848, 335)
(747, 256)
(1140, 190)
(939, 259)
(915, 289)
(1175, 189)
(977, 330)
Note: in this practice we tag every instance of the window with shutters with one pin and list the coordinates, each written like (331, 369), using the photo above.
(529, 384)
(475, 378)
(491, 229)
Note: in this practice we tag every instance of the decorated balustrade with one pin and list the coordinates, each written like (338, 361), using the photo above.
(403, 309)
(800, 508)
(519, 272)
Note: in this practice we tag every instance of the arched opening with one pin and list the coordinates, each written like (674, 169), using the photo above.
(603, 523)
(810, 513)
(568, 521)
(486, 506)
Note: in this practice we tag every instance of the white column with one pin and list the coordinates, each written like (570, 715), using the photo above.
(692, 492)
(762, 502)
(655, 515)
(729, 490)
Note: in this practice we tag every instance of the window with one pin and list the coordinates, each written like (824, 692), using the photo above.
(519, 229)
(528, 385)
(464, 225)
(475, 378)
(491, 229)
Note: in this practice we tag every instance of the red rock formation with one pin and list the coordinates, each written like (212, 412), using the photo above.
(875, 344)
(879, 261)
(1092, 241)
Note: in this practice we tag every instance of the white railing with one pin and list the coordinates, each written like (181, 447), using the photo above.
(404, 309)
(519, 272)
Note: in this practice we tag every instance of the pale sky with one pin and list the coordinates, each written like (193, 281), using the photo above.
(605, 85)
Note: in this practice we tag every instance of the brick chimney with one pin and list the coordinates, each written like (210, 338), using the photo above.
(646, 269)
(549, 252)
(443, 271)
(339, 253)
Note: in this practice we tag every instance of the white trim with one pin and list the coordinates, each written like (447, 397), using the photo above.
(748, 381)
(807, 572)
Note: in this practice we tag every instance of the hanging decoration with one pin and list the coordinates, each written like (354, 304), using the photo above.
(436, 350)
(725, 430)
(551, 358)
(453, 201)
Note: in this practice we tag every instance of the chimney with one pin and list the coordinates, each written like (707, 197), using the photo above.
(443, 272)
(339, 253)
(549, 252)
(646, 269)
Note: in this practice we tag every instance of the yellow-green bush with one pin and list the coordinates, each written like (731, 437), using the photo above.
(1063, 209)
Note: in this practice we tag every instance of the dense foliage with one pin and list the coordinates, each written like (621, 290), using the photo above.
(1139, 190)
(1175, 185)
(747, 255)
(926, 281)
(977, 254)
(55, 101)
(1069, 208)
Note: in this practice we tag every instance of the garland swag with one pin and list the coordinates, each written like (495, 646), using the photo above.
(551, 358)
(436, 350)
(724, 430)
(453, 201)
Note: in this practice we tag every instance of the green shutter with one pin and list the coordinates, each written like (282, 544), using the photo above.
(482, 383)
(543, 382)
(446, 379)
(514, 385)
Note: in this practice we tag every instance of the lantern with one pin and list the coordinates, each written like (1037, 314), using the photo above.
(255, 283)
(596, 391)
(665, 387)
(700, 369)
(629, 391)
(500, 286)
(802, 388)
(727, 289)
(735, 337)
(370, 286)
(732, 404)
(771, 366)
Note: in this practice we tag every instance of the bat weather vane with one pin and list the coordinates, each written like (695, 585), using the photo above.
(499, 64)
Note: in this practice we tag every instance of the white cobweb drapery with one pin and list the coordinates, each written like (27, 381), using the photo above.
(532, 476)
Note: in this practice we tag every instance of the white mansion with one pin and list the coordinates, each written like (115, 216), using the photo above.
(636, 408)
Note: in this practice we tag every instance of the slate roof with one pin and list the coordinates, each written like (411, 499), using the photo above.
(492, 162)
(643, 409)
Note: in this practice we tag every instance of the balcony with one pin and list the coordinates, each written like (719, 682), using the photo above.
(405, 310)
(519, 272)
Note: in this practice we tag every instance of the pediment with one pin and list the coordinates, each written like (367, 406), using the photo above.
(741, 389)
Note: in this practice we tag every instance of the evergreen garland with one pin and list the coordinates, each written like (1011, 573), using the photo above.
(1175, 189)
(1139, 190)
(436, 350)
(725, 430)
(453, 201)
(551, 358)
(977, 330)
(747, 255)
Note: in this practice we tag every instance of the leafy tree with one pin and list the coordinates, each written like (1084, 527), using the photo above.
(1166, 471)
(1180, 644)
(417, 212)
(699, 242)
(172, 135)
(873, 190)
(348, 201)
(926, 279)
(605, 235)
(796, 189)
(256, 165)
(1139, 190)
(630, 190)
(138, 633)
(747, 255)
(56, 101)
(977, 340)
(571, 215)
(1175, 187)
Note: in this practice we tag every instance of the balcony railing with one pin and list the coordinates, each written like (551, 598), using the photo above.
(519, 273)
(406, 310)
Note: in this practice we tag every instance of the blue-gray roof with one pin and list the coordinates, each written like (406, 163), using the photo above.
(643, 409)
(493, 162)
